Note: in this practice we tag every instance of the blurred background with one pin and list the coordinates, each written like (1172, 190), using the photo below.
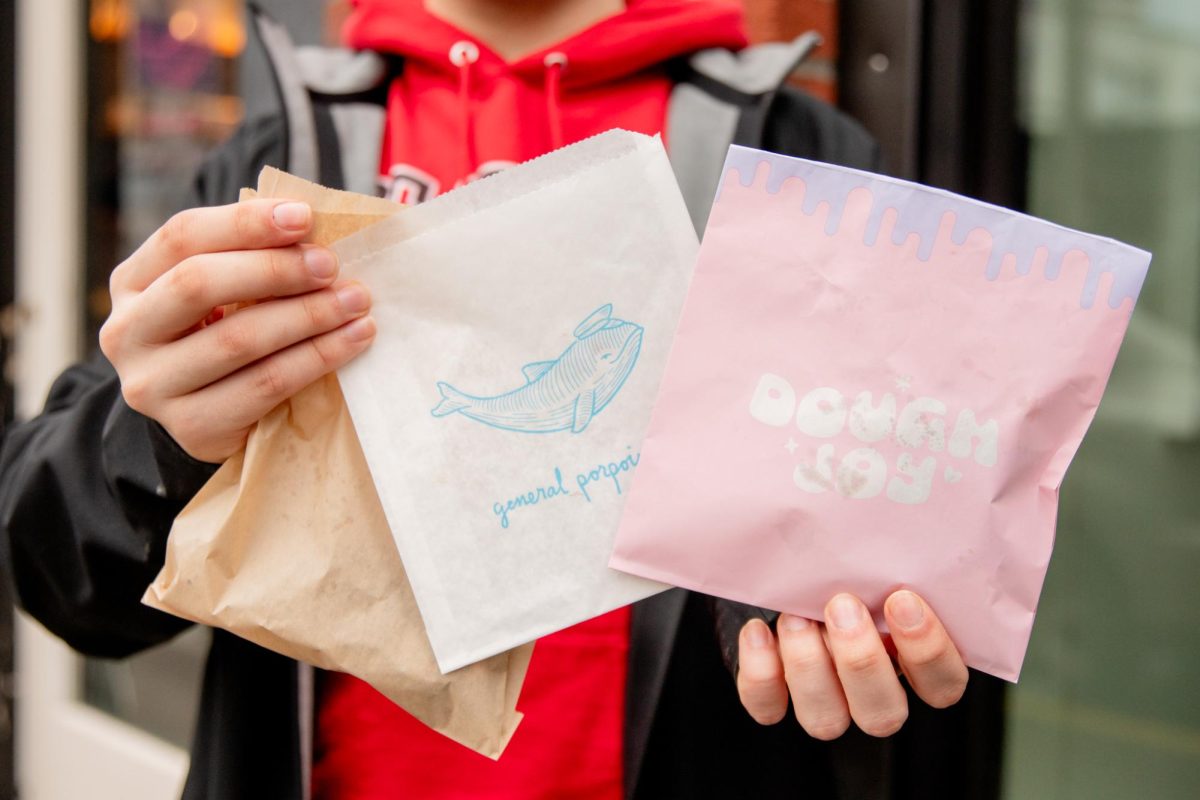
(1085, 112)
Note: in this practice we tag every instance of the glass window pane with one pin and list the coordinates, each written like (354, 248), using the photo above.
(162, 91)
(156, 691)
(166, 83)
(1107, 705)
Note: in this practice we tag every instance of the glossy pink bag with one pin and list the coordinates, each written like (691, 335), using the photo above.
(875, 385)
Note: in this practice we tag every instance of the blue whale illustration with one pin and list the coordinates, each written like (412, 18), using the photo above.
(563, 394)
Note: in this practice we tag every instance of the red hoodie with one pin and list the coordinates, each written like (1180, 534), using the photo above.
(457, 112)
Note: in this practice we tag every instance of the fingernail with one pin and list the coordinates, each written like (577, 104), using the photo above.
(757, 635)
(320, 262)
(792, 623)
(353, 298)
(360, 329)
(292, 216)
(845, 612)
(907, 609)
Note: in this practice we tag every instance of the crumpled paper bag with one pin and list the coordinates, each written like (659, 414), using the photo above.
(524, 322)
(287, 546)
(876, 385)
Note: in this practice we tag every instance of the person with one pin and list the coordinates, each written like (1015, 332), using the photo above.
(636, 703)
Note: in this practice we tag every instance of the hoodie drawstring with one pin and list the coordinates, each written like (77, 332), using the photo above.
(555, 63)
(462, 55)
(465, 53)
(395, 132)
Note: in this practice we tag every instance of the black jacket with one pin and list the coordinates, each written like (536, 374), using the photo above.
(89, 490)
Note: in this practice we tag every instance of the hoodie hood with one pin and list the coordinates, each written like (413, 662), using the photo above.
(646, 34)
(459, 111)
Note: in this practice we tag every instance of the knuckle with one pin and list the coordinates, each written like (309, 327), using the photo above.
(118, 277)
(946, 694)
(188, 284)
(327, 357)
(183, 430)
(759, 667)
(942, 698)
(763, 695)
(136, 391)
(860, 663)
(247, 222)
(755, 682)
(112, 336)
(767, 716)
(270, 381)
(217, 450)
(233, 340)
(884, 723)
(764, 709)
(826, 727)
(318, 315)
(805, 662)
(175, 236)
(926, 656)
(279, 265)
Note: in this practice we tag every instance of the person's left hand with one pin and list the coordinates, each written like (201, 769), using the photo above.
(841, 670)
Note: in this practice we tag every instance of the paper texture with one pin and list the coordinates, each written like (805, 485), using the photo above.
(524, 322)
(875, 385)
(337, 214)
(287, 546)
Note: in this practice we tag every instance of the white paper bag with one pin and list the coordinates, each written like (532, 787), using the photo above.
(524, 325)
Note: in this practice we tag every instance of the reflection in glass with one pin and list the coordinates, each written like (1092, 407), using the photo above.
(162, 91)
(1107, 706)
(157, 690)
(166, 81)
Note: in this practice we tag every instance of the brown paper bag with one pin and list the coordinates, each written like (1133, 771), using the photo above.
(288, 547)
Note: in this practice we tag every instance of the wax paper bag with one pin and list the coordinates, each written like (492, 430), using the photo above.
(524, 322)
(875, 385)
(287, 546)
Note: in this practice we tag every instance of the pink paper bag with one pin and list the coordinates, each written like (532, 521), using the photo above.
(875, 385)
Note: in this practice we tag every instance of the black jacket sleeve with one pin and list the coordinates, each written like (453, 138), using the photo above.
(85, 511)
(89, 488)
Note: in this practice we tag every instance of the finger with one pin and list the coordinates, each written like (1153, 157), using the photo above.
(930, 660)
(250, 225)
(760, 681)
(817, 697)
(873, 691)
(231, 343)
(181, 298)
(237, 402)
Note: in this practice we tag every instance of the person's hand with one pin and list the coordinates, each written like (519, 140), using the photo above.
(841, 670)
(207, 377)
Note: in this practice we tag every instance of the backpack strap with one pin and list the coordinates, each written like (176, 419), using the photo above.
(332, 104)
(721, 98)
(349, 94)
(300, 150)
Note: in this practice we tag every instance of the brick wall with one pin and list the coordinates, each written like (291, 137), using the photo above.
(775, 20)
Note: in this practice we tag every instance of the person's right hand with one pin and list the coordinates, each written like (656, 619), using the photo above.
(208, 383)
